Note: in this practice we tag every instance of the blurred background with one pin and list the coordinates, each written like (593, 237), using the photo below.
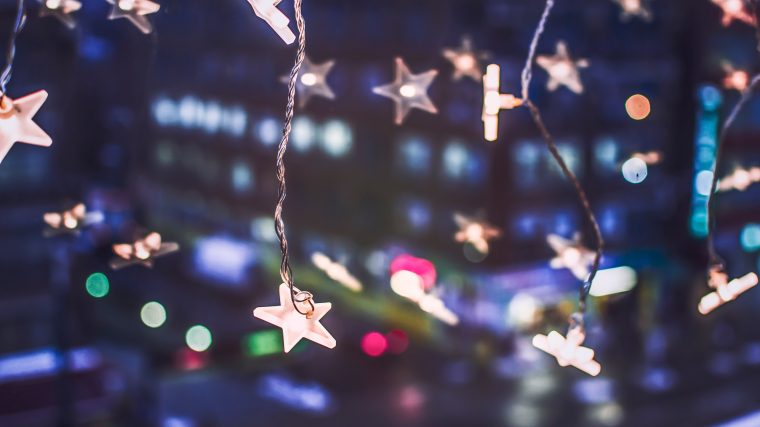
(176, 132)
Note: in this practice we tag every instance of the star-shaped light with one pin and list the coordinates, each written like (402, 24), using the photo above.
(466, 60)
(267, 10)
(62, 10)
(740, 179)
(16, 123)
(649, 157)
(734, 10)
(142, 251)
(408, 91)
(495, 101)
(294, 324)
(135, 11)
(562, 69)
(336, 271)
(568, 351)
(735, 79)
(312, 81)
(70, 221)
(571, 254)
(634, 8)
(725, 291)
(476, 232)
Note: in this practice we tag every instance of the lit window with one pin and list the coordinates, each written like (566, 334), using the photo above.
(417, 214)
(606, 154)
(456, 160)
(268, 131)
(234, 121)
(336, 138)
(415, 155)
(211, 117)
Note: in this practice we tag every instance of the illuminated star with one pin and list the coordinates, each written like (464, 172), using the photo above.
(562, 69)
(62, 10)
(740, 179)
(70, 221)
(475, 232)
(142, 251)
(16, 123)
(568, 351)
(294, 324)
(466, 60)
(267, 10)
(495, 101)
(408, 91)
(571, 254)
(312, 81)
(634, 8)
(734, 10)
(725, 291)
(649, 157)
(735, 79)
(135, 11)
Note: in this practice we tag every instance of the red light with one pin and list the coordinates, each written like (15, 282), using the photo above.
(398, 341)
(419, 266)
(374, 344)
(190, 360)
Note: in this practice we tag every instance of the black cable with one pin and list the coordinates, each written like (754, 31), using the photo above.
(5, 78)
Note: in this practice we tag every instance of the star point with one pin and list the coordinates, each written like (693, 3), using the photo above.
(466, 60)
(134, 11)
(16, 123)
(312, 81)
(61, 10)
(408, 91)
(563, 70)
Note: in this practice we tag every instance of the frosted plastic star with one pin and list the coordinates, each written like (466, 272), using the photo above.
(734, 10)
(475, 232)
(295, 325)
(466, 60)
(267, 10)
(408, 91)
(634, 8)
(62, 10)
(562, 69)
(142, 251)
(725, 291)
(571, 254)
(16, 123)
(312, 81)
(135, 11)
(568, 351)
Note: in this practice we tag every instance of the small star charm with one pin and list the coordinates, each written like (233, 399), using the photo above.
(408, 91)
(734, 10)
(70, 221)
(142, 251)
(267, 10)
(568, 351)
(135, 11)
(475, 232)
(62, 10)
(312, 81)
(571, 254)
(562, 69)
(735, 79)
(466, 60)
(495, 101)
(295, 325)
(725, 291)
(634, 8)
(16, 123)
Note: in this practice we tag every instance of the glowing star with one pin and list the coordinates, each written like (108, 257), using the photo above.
(70, 221)
(562, 69)
(267, 10)
(408, 91)
(495, 101)
(725, 291)
(734, 10)
(475, 232)
(336, 271)
(649, 157)
(294, 324)
(735, 79)
(466, 60)
(634, 8)
(16, 123)
(61, 9)
(135, 11)
(312, 81)
(740, 179)
(568, 351)
(142, 251)
(571, 254)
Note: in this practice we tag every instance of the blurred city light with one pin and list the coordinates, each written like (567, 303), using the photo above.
(398, 341)
(750, 237)
(153, 314)
(337, 138)
(613, 281)
(374, 344)
(263, 343)
(635, 170)
(97, 285)
(224, 259)
(308, 397)
(198, 338)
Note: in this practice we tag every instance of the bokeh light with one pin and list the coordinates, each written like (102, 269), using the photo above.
(638, 107)
(750, 237)
(153, 314)
(635, 170)
(198, 338)
(398, 341)
(374, 344)
(97, 285)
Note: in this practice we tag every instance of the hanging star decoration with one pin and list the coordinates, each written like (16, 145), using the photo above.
(735, 79)
(562, 69)
(476, 232)
(70, 221)
(734, 10)
(142, 251)
(568, 350)
(634, 8)
(312, 81)
(495, 101)
(267, 10)
(408, 91)
(294, 324)
(649, 157)
(61, 10)
(571, 254)
(16, 123)
(135, 11)
(740, 179)
(724, 291)
(466, 60)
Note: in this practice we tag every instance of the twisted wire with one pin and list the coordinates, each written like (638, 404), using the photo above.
(19, 22)
(527, 72)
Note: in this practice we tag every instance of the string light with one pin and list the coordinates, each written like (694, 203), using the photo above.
(740, 179)
(568, 350)
(267, 10)
(563, 70)
(476, 232)
(466, 60)
(634, 8)
(408, 91)
(61, 10)
(312, 81)
(734, 10)
(725, 291)
(142, 251)
(495, 101)
(70, 221)
(571, 254)
(134, 11)
(16, 123)
(735, 79)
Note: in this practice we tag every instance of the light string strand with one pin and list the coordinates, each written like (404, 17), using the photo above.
(18, 25)
(526, 76)
(286, 272)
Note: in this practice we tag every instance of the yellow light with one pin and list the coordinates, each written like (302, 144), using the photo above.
(53, 4)
(309, 79)
(638, 107)
(408, 91)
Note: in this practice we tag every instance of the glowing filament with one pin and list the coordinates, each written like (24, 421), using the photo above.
(494, 101)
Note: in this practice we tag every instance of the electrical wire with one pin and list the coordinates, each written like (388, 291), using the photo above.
(19, 22)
